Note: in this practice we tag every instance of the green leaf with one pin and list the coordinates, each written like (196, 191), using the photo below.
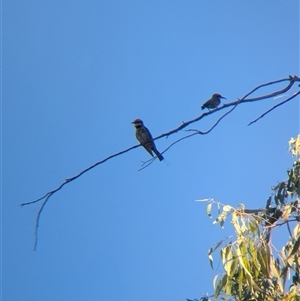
(228, 262)
(297, 231)
(286, 212)
(210, 250)
(295, 248)
(220, 286)
(218, 244)
(208, 210)
(234, 265)
(214, 281)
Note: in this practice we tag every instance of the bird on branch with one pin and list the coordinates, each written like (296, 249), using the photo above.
(144, 136)
(213, 102)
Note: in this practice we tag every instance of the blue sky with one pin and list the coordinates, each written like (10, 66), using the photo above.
(75, 74)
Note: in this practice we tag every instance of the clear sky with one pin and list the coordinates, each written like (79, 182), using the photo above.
(75, 74)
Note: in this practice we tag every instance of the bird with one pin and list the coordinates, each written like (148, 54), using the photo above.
(144, 136)
(213, 102)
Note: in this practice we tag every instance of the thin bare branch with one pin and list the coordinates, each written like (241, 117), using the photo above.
(289, 229)
(147, 163)
(273, 108)
(287, 222)
(50, 193)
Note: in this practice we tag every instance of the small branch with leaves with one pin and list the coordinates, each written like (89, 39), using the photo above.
(253, 267)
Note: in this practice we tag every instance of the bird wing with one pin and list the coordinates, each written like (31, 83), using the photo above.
(144, 135)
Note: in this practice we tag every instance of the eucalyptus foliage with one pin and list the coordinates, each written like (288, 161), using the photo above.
(254, 269)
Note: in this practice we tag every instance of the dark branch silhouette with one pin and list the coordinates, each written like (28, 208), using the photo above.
(291, 80)
(279, 104)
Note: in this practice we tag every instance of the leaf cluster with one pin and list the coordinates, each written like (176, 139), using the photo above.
(254, 269)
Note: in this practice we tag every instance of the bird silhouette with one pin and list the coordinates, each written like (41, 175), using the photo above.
(144, 136)
(213, 102)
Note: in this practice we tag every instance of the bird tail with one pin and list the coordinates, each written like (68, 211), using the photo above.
(158, 154)
(203, 107)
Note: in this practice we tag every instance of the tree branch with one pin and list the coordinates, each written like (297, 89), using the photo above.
(278, 105)
(234, 104)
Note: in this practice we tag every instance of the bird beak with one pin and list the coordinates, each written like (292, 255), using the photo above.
(223, 97)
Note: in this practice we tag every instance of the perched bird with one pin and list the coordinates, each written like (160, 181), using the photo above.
(145, 138)
(213, 102)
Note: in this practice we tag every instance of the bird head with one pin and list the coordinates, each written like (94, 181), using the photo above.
(217, 95)
(137, 122)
